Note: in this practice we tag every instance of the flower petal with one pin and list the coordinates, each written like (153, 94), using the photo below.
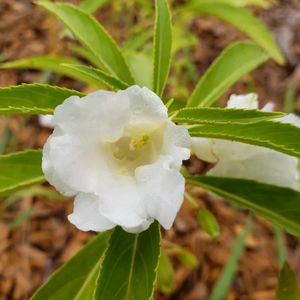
(203, 149)
(86, 215)
(248, 101)
(162, 187)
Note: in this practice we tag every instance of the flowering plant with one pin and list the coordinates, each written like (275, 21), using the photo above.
(120, 152)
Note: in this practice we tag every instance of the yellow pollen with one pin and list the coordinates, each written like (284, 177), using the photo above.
(138, 142)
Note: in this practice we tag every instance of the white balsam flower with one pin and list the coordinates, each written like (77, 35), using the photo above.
(239, 160)
(119, 154)
(46, 121)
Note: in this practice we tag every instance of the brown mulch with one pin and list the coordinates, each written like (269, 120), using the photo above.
(30, 252)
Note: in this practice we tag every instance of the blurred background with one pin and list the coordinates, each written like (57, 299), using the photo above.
(35, 236)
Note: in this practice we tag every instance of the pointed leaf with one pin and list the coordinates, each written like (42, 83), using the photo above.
(90, 6)
(51, 63)
(225, 280)
(288, 288)
(130, 265)
(222, 115)
(274, 135)
(235, 61)
(20, 169)
(93, 36)
(162, 46)
(278, 204)
(99, 75)
(33, 98)
(76, 279)
(244, 21)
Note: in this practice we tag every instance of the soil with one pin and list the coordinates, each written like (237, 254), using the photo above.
(32, 250)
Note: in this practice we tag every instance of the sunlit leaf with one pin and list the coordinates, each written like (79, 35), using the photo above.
(278, 204)
(130, 265)
(20, 169)
(274, 135)
(244, 21)
(91, 6)
(99, 75)
(165, 274)
(208, 222)
(222, 115)
(93, 36)
(33, 98)
(235, 61)
(76, 279)
(51, 63)
(162, 46)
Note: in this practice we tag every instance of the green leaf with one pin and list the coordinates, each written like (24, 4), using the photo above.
(141, 67)
(97, 74)
(222, 115)
(244, 21)
(288, 288)
(130, 264)
(162, 46)
(261, 3)
(274, 135)
(76, 279)
(33, 98)
(165, 274)
(225, 280)
(20, 169)
(93, 36)
(278, 204)
(235, 61)
(90, 6)
(87, 55)
(208, 222)
(51, 63)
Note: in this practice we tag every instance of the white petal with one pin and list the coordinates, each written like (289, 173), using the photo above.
(256, 163)
(86, 215)
(248, 101)
(100, 115)
(203, 149)
(290, 119)
(46, 121)
(162, 187)
(176, 142)
(122, 203)
(269, 107)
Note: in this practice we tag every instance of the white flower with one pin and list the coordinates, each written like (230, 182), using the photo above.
(46, 121)
(239, 160)
(120, 155)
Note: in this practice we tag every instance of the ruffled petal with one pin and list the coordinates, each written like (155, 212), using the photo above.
(203, 149)
(86, 215)
(162, 187)
(248, 101)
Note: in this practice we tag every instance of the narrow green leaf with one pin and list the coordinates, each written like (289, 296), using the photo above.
(87, 55)
(222, 115)
(97, 74)
(280, 245)
(244, 21)
(224, 282)
(130, 265)
(162, 46)
(20, 169)
(165, 274)
(274, 135)
(261, 3)
(90, 6)
(235, 61)
(93, 36)
(288, 288)
(76, 279)
(20, 219)
(208, 222)
(278, 204)
(33, 98)
(51, 63)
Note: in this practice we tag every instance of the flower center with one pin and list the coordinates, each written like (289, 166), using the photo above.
(131, 150)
